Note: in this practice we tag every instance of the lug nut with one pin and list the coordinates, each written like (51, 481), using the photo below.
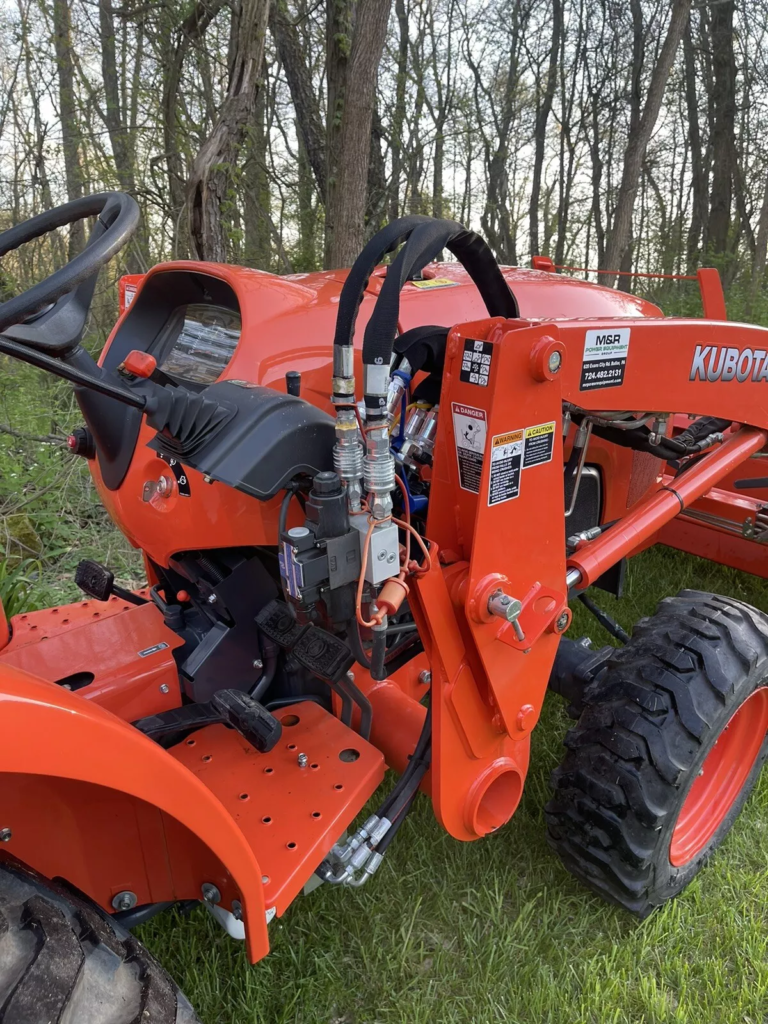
(302, 760)
(425, 677)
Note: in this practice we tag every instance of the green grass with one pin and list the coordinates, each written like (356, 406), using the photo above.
(497, 930)
(446, 932)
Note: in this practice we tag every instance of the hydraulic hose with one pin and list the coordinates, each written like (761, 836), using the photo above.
(424, 244)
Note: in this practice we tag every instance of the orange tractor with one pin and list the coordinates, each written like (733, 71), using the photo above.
(364, 500)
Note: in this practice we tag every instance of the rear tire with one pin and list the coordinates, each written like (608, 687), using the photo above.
(646, 792)
(63, 960)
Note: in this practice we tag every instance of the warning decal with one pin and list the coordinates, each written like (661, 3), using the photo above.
(539, 444)
(469, 430)
(506, 467)
(605, 357)
(434, 282)
(476, 362)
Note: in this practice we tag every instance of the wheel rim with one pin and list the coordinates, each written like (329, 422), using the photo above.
(721, 779)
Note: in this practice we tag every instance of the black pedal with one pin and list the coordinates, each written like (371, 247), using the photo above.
(277, 622)
(94, 580)
(97, 581)
(251, 720)
(227, 707)
(323, 654)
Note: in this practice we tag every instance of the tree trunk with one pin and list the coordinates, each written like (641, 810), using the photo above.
(70, 120)
(540, 129)
(398, 117)
(724, 114)
(211, 174)
(637, 144)
(309, 120)
(698, 171)
(347, 187)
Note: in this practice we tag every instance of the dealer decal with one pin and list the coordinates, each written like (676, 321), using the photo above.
(714, 362)
(605, 358)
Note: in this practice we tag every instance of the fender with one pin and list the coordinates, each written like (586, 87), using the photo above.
(76, 782)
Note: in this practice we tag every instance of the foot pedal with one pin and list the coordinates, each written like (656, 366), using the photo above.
(323, 654)
(94, 580)
(228, 707)
(250, 718)
(97, 581)
(276, 621)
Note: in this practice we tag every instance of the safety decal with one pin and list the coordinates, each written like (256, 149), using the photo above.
(469, 430)
(476, 362)
(506, 466)
(182, 480)
(605, 357)
(434, 282)
(539, 444)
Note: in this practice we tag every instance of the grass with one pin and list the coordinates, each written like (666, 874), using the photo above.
(447, 932)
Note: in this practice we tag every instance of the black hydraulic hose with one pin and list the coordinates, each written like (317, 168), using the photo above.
(423, 245)
(401, 812)
(352, 293)
(422, 746)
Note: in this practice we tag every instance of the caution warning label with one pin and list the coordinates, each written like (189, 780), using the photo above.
(506, 466)
(539, 444)
(469, 431)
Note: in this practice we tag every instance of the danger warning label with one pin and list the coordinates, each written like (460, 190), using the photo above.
(469, 431)
(506, 466)
(539, 444)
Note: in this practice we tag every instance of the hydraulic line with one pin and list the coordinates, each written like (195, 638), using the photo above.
(606, 621)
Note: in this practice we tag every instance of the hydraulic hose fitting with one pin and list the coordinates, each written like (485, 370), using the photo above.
(379, 471)
(348, 456)
(343, 385)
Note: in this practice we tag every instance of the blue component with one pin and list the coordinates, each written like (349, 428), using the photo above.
(416, 502)
(397, 441)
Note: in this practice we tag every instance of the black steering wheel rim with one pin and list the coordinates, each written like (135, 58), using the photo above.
(118, 218)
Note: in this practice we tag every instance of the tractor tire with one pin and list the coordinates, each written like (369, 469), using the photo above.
(669, 744)
(63, 960)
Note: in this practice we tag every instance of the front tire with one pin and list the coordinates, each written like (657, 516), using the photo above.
(63, 960)
(670, 743)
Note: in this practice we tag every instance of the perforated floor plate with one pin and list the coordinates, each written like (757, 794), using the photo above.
(290, 815)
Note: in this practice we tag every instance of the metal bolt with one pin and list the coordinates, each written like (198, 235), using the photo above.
(381, 555)
(302, 760)
(207, 479)
(212, 599)
(391, 556)
(555, 362)
(265, 879)
(125, 900)
(562, 622)
(425, 677)
(237, 910)
(258, 663)
(164, 486)
(5, 835)
(164, 688)
(210, 892)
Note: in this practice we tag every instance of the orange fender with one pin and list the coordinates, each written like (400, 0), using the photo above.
(75, 779)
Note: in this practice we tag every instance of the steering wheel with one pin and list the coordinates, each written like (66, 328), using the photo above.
(63, 299)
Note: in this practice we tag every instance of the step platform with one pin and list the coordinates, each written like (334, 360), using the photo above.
(290, 815)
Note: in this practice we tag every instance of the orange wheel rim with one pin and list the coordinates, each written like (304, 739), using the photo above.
(721, 779)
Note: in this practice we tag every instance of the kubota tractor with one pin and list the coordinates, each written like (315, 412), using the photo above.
(364, 500)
